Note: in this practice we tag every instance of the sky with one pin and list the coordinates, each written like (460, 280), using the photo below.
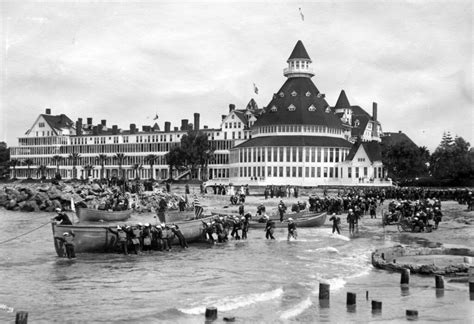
(128, 61)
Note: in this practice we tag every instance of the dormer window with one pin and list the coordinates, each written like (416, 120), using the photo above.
(356, 123)
(311, 108)
(291, 107)
(321, 95)
(293, 94)
(273, 109)
(281, 94)
(328, 109)
(308, 94)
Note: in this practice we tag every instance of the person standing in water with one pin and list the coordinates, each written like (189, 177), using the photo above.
(336, 221)
(291, 229)
(269, 228)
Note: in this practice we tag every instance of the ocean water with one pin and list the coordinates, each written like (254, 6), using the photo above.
(255, 281)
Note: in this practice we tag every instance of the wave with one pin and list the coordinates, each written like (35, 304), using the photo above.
(231, 303)
(296, 309)
(329, 249)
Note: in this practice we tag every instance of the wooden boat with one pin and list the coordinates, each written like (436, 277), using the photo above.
(96, 237)
(96, 215)
(302, 219)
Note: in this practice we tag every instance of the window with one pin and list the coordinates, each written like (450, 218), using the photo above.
(326, 154)
(361, 160)
(40, 124)
(325, 172)
(318, 172)
(294, 154)
(288, 172)
(365, 171)
(337, 155)
(319, 154)
(306, 172)
(300, 172)
(273, 109)
(291, 107)
(293, 94)
(308, 94)
(288, 154)
(312, 172)
(311, 108)
(281, 172)
(281, 94)
(331, 155)
(357, 172)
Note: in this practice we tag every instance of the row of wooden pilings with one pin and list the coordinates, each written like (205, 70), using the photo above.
(324, 292)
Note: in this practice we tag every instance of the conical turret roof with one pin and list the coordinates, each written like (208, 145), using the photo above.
(299, 52)
(342, 101)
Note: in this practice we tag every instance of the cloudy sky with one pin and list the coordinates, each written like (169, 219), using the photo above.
(127, 61)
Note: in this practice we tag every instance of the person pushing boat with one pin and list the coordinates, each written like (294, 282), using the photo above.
(291, 229)
(269, 228)
(62, 217)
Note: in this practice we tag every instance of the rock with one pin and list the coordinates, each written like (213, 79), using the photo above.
(96, 187)
(89, 197)
(12, 192)
(3, 199)
(54, 194)
(56, 204)
(29, 206)
(11, 204)
(67, 189)
(41, 197)
(22, 196)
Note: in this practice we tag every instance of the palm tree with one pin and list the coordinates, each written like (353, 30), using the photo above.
(13, 163)
(74, 157)
(88, 168)
(41, 171)
(151, 159)
(102, 158)
(57, 159)
(136, 167)
(28, 163)
(120, 157)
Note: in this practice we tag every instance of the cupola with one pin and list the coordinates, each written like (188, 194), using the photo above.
(299, 63)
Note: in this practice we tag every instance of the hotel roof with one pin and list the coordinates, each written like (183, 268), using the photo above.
(324, 141)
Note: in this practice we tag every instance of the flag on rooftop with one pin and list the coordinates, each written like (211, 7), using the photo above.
(156, 117)
(255, 89)
(301, 14)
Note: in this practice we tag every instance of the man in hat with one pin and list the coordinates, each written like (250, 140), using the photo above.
(61, 217)
(291, 229)
(281, 210)
(121, 238)
(68, 240)
(336, 221)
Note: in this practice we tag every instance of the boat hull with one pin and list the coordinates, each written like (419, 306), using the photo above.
(96, 215)
(96, 238)
(311, 220)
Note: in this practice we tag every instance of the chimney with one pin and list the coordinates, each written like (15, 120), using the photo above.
(167, 127)
(184, 124)
(114, 130)
(79, 126)
(374, 111)
(95, 130)
(223, 117)
(176, 129)
(48, 111)
(133, 128)
(196, 121)
(103, 122)
(231, 107)
(89, 120)
(100, 128)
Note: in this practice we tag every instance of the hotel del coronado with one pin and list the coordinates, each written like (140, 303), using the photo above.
(298, 139)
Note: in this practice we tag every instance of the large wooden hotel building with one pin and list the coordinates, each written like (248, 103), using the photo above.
(297, 139)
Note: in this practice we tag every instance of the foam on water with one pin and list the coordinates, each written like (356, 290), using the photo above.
(296, 309)
(329, 249)
(231, 303)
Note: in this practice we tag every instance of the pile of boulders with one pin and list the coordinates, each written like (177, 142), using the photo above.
(48, 197)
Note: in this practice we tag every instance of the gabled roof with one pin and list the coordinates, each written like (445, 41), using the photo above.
(58, 121)
(299, 52)
(373, 150)
(301, 93)
(324, 141)
(241, 115)
(342, 101)
(252, 105)
(395, 138)
(359, 129)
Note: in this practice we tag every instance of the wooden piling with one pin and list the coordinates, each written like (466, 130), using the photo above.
(439, 281)
(367, 295)
(467, 260)
(351, 299)
(412, 314)
(211, 313)
(229, 319)
(21, 317)
(405, 277)
(383, 256)
(324, 291)
(471, 281)
(376, 306)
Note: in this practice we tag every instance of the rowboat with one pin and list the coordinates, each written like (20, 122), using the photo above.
(97, 215)
(96, 237)
(302, 219)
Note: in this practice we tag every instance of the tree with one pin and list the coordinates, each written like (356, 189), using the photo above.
(88, 168)
(175, 158)
(197, 150)
(151, 159)
(57, 160)
(120, 157)
(28, 163)
(13, 163)
(102, 159)
(41, 171)
(136, 167)
(4, 153)
(74, 157)
(451, 160)
(404, 161)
